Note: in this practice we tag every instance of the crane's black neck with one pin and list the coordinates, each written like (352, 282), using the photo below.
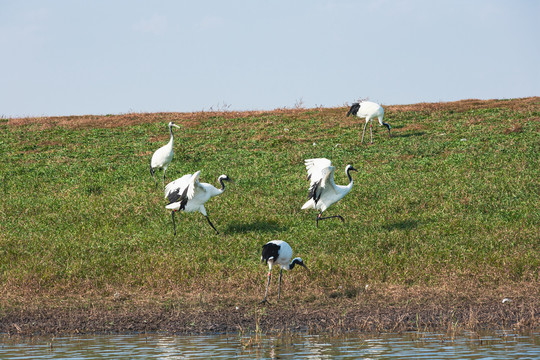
(170, 130)
(221, 179)
(295, 261)
(349, 173)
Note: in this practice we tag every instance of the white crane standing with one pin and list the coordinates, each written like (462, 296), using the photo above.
(163, 156)
(369, 110)
(189, 195)
(323, 191)
(279, 253)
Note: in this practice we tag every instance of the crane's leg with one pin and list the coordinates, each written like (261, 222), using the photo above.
(266, 292)
(173, 223)
(212, 225)
(319, 217)
(279, 289)
(371, 130)
(363, 132)
(164, 170)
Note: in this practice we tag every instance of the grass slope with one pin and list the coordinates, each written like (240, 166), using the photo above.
(451, 198)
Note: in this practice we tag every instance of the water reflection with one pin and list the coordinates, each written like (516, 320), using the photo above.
(501, 345)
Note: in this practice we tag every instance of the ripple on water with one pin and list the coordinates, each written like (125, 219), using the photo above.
(497, 345)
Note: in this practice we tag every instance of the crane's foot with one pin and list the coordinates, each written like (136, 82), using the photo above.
(265, 302)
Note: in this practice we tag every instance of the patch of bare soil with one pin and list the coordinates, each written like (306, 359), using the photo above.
(382, 309)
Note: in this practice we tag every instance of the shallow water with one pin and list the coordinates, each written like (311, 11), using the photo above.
(499, 345)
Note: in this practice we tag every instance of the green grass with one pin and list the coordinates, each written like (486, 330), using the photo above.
(79, 208)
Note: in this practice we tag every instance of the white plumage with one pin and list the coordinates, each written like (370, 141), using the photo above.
(163, 156)
(189, 195)
(279, 253)
(369, 110)
(323, 191)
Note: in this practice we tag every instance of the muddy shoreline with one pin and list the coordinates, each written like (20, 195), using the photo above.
(376, 311)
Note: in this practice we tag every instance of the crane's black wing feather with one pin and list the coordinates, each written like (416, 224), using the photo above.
(174, 196)
(315, 191)
(270, 250)
(354, 109)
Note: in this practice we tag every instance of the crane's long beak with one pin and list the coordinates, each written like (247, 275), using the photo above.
(176, 126)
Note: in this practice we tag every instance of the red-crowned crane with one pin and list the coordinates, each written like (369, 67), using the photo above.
(162, 157)
(279, 253)
(323, 191)
(369, 110)
(189, 195)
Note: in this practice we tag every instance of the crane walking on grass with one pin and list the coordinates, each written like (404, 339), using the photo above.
(189, 195)
(323, 191)
(279, 253)
(163, 156)
(369, 110)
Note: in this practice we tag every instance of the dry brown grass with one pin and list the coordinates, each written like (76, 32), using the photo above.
(187, 119)
(379, 308)
(332, 115)
(469, 104)
(514, 129)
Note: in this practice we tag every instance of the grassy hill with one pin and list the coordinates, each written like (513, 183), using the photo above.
(450, 201)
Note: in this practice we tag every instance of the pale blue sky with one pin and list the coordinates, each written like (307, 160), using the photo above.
(73, 57)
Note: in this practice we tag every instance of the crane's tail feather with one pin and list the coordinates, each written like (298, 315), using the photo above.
(152, 172)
